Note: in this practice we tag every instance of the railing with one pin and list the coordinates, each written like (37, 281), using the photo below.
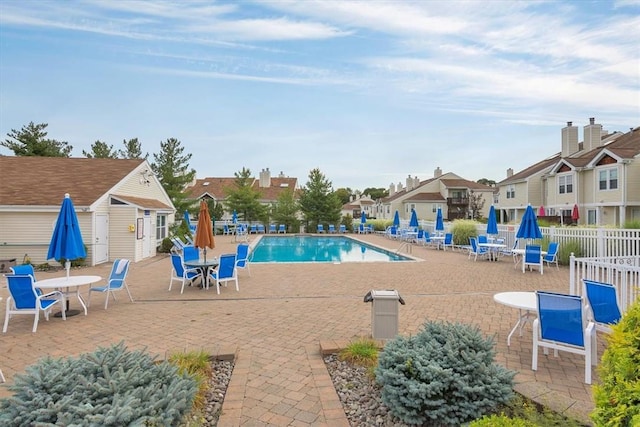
(621, 272)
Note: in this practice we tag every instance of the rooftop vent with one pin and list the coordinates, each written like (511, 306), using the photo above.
(205, 183)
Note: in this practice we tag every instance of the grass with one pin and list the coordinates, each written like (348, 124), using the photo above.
(198, 365)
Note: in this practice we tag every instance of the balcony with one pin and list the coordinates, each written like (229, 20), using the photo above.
(457, 201)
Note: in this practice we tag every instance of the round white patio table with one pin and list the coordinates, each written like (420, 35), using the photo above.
(69, 282)
(523, 301)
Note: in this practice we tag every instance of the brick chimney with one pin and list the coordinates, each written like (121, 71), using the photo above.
(409, 183)
(509, 173)
(569, 140)
(265, 178)
(416, 182)
(392, 189)
(399, 187)
(592, 135)
(437, 173)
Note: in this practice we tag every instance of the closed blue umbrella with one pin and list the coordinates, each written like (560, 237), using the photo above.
(439, 222)
(66, 241)
(188, 221)
(396, 219)
(363, 218)
(492, 223)
(234, 218)
(529, 226)
(413, 222)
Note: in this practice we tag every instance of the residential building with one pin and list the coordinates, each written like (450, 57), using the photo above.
(600, 175)
(122, 209)
(357, 205)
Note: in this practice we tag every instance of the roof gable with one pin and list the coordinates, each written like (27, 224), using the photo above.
(43, 181)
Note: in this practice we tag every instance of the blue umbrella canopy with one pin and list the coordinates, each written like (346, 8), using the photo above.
(414, 219)
(363, 218)
(396, 219)
(492, 223)
(529, 226)
(234, 218)
(66, 241)
(439, 222)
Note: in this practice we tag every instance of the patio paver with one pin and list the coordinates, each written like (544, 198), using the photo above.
(275, 324)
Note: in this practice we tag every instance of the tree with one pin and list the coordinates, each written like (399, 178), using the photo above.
(243, 198)
(476, 203)
(285, 210)
(318, 203)
(344, 194)
(132, 150)
(32, 140)
(376, 193)
(100, 150)
(171, 167)
(485, 181)
(216, 210)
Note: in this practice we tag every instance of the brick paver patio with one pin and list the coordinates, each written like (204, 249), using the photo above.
(275, 324)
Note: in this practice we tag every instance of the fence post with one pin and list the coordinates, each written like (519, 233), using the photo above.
(572, 274)
(600, 252)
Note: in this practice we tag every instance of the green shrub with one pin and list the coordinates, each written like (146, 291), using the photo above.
(362, 352)
(110, 387)
(198, 365)
(165, 245)
(445, 375)
(617, 397)
(565, 249)
(462, 230)
(634, 224)
(501, 421)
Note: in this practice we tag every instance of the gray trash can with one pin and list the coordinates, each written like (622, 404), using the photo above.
(384, 313)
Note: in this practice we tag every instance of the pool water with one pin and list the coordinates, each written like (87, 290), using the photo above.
(319, 249)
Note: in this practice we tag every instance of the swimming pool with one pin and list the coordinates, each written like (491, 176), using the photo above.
(319, 249)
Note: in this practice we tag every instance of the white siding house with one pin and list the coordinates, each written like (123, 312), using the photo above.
(118, 202)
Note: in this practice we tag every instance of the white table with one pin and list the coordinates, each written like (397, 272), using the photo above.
(69, 282)
(493, 249)
(523, 301)
(438, 241)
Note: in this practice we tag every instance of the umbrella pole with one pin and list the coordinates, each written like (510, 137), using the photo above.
(205, 254)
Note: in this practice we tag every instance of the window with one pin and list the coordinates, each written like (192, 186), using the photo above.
(434, 208)
(608, 179)
(511, 192)
(592, 217)
(161, 227)
(565, 184)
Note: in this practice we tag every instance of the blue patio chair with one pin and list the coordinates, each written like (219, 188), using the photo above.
(426, 238)
(115, 282)
(368, 228)
(476, 250)
(272, 228)
(253, 229)
(392, 232)
(282, 229)
(482, 239)
(181, 273)
(260, 228)
(602, 303)
(226, 229)
(361, 229)
(562, 325)
(226, 272)
(320, 228)
(24, 269)
(242, 257)
(24, 298)
(532, 258)
(552, 255)
(190, 253)
(332, 228)
(343, 228)
(448, 241)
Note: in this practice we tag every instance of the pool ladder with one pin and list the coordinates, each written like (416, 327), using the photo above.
(408, 246)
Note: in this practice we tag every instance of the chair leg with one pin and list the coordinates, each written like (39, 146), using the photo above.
(106, 300)
(128, 292)
(36, 317)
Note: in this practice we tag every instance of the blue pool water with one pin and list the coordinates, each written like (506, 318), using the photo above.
(319, 249)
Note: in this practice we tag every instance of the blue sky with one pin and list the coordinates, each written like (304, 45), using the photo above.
(369, 92)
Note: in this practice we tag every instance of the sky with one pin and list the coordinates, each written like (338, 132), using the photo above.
(368, 92)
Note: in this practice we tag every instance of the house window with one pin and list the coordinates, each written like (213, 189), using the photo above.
(565, 184)
(511, 192)
(434, 208)
(608, 179)
(161, 227)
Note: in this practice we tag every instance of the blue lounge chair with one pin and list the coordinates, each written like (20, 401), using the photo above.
(282, 229)
(260, 228)
(272, 228)
(116, 282)
(343, 228)
(552, 255)
(253, 229)
(332, 228)
(320, 228)
(602, 303)
(242, 257)
(26, 299)
(226, 272)
(562, 325)
(448, 241)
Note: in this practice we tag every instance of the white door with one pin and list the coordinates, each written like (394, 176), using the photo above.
(101, 247)
(146, 239)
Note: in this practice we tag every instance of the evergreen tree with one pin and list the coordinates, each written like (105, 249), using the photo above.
(344, 194)
(100, 150)
(285, 210)
(132, 150)
(171, 167)
(243, 198)
(32, 140)
(318, 203)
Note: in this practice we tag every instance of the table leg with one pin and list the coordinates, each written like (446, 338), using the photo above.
(522, 320)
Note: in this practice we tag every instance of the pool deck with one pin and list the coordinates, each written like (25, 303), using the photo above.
(276, 324)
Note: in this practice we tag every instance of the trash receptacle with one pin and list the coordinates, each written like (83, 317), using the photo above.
(384, 313)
